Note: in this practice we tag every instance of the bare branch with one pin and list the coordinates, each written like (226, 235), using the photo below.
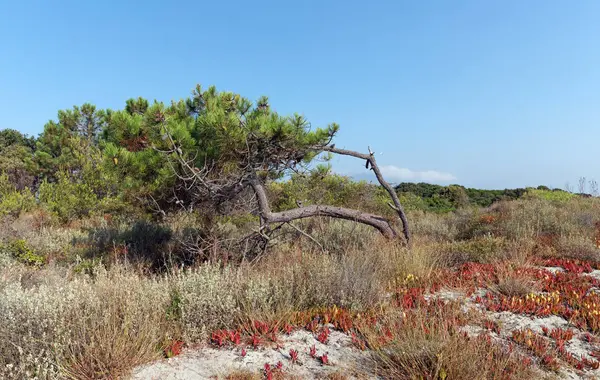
(268, 217)
(370, 158)
(207, 186)
(307, 235)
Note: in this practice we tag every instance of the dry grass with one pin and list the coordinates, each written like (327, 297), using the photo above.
(243, 375)
(428, 344)
(249, 375)
(57, 323)
(282, 283)
(122, 325)
(579, 247)
(82, 328)
(337, 376)
(514, 286)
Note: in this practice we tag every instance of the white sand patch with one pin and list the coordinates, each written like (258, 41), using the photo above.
(510, 322)
(595, 274)
(553, 270)
(210, 362)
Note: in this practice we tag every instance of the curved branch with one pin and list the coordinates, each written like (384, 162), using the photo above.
(268, 217)
(370, 158)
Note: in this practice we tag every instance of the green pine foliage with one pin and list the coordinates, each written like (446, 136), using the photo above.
(16, 158)
(68, 144)
(218, 130)
(67, 198)
(123, 162)
(13, 201)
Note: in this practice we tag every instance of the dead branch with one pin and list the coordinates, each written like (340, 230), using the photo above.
(270, 156)
(268, 217)
(370, 161)
(307, 235)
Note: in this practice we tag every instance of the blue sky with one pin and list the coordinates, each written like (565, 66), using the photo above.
(485, 94)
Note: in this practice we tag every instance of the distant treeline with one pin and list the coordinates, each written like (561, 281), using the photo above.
(447, 198)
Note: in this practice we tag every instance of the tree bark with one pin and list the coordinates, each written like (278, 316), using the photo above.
(268, 217)
(370, 158)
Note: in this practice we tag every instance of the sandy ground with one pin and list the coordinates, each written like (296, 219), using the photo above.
(210, 363)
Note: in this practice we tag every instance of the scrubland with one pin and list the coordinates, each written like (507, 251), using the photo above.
(66, 313)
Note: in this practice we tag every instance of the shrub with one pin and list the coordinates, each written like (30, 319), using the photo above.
(207, 300)
(530, 218)
(578, 247)
(485, 249)
(473, 223)
(16, 202)
(296, 280)
(550, 195)
(81, 328)
(20, 250)
(67, 198)
(432, 226)
(334, 236)
(122, 324)
(13, 202)
(141, 242)
(428, 343)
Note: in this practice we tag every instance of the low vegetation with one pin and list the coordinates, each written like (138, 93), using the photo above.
(108, 263)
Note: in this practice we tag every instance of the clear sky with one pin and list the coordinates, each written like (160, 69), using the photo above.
(488, 94)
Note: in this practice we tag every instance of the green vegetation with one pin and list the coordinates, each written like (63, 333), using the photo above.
(110, 257)
(448, 198)
(19, 250)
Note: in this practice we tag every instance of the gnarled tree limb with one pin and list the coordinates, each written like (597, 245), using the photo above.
(370, 161)
(217, 189)
(268, 217)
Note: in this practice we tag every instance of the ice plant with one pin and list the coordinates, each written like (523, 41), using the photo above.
(293, 356)
(492, 326)
(312, 325)
(234, 336)
(174, 349)
(255, 340)
(323, 336)
(268, 371)
(313, 351)
(287, 328)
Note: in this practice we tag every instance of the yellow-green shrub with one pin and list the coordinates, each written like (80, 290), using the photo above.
(13, 202)
(20, 250)
(67, 198)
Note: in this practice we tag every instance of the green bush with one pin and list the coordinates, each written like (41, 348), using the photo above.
(68, 199)
(323, 187)
(13, 202)
(412, 202)
(20, 250)
(16, 202)
(447, 198)
(485, 249)
(549, 195)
